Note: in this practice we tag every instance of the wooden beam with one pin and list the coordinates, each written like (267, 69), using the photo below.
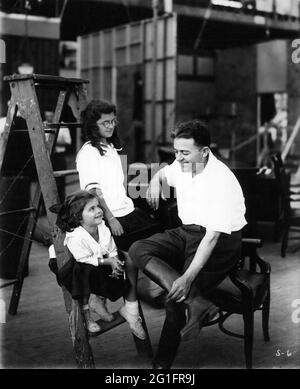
(226, 16)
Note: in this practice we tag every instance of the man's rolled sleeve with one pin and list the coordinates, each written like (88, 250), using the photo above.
(170, 172)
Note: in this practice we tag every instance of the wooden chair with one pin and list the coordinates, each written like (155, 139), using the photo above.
(289, 216)
(243, 292)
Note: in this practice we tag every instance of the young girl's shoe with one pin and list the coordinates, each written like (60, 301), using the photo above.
(97, 304)
(92, 326)
(135, 323)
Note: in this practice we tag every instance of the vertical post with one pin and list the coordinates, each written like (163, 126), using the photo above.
(232, 115)
(4, 135)
(164, 81)
(258, 124)
(154, 61)
(114, 69)
(232, 139)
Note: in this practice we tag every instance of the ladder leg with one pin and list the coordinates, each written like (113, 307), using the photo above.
(80, 337)
(16, 294)
(79, 334)
(4, 136)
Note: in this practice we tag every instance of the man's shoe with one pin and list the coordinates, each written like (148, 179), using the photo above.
(135, 323)
(97, 304)
(199, 312)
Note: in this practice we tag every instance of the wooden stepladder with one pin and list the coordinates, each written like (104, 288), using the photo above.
(43, 137)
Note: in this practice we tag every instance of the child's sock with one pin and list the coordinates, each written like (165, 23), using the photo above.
(132, 307)
(98, 305)
(92, 326)
(130, 312)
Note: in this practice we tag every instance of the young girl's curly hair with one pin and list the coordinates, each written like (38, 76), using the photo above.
(70, 212)
(89, 117)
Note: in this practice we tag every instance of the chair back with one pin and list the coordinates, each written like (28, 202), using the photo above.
(247, 178)
(283, 183)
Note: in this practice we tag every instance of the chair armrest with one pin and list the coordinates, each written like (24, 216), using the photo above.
(249, 249)
(249, 246)
(252, 242)
(265, 267)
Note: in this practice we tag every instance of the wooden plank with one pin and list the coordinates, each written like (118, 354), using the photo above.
(21, 210)
(4, 282)
(5, 134)
(64, 173)
(64, 124)
(106, 326)
(42, 78)
(16, 294)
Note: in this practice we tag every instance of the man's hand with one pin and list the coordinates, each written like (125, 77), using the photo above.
(116, 227)
(180, 289)
(153, 194)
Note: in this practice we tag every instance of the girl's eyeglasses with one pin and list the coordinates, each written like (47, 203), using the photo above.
(108, 123)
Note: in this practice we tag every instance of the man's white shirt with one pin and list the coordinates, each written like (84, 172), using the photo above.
(212, 198)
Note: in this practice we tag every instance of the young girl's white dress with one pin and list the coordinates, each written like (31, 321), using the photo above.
(86, 249)
(87, 275)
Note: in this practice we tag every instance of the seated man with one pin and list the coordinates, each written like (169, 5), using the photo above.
(192, 259)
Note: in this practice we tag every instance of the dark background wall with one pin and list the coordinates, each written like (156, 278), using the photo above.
(235, 83)
(44, 55)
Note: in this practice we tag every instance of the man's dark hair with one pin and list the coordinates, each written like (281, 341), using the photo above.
(89, 117)
(194, 129)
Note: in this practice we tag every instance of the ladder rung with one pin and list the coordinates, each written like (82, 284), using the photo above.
(47, 131)
(4, 283)
(64, 173)
(21, 210)
(63, 124)
(106, 326)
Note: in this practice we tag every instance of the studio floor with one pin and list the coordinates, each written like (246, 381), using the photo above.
(38, 336)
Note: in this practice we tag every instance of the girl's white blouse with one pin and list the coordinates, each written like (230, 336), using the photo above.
(104, 172)
(86, 249)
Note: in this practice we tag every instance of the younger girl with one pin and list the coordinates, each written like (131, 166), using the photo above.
(98, 268)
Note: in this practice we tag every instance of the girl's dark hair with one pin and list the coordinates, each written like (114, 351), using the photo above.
(89, 117)
(70, 212)
(194, 129)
